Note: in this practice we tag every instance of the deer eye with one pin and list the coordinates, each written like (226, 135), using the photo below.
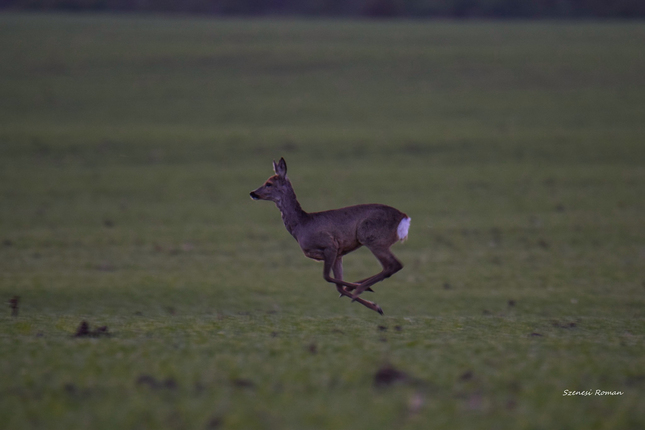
(269, 184)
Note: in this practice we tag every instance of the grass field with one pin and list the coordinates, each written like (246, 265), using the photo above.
(128, 147)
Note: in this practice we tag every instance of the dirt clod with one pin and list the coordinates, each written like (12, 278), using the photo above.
(13, 304)
(467, 375)
(243, 383)
(214, 423)
(388, 375)
(147, 380)
(83, 330)
(156, 384)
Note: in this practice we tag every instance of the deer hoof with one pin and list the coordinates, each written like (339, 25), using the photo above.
(379, 310)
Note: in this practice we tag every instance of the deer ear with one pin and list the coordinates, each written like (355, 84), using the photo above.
(280, 169)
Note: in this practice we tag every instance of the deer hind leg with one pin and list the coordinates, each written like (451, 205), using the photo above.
(390, 265)
(337, 268)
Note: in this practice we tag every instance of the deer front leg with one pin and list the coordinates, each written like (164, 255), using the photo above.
(337, 268)
(373, 306)
(330, 256)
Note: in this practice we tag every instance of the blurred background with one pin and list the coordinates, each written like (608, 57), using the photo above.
(355, 8)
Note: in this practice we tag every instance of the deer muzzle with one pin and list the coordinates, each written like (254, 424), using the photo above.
(254, 196)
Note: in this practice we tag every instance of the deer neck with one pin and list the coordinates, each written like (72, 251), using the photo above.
(292, 213)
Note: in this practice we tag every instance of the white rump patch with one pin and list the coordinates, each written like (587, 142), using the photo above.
(402, 229)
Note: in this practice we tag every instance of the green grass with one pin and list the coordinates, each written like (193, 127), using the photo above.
(128, 147)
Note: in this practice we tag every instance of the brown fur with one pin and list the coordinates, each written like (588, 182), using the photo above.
(329, 235)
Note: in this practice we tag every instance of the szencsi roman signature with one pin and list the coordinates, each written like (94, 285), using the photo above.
(592, 393)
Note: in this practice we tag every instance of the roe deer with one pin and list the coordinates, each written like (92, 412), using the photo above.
(327, 236)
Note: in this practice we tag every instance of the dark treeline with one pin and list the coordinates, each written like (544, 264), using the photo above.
(355, 8)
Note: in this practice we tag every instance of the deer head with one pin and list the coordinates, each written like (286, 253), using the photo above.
(276, 186)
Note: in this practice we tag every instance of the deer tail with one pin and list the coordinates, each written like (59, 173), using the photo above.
(402, 229)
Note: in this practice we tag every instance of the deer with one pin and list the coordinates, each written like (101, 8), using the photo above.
(329, 235)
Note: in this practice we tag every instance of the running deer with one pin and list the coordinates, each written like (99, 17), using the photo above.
(329, 235)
